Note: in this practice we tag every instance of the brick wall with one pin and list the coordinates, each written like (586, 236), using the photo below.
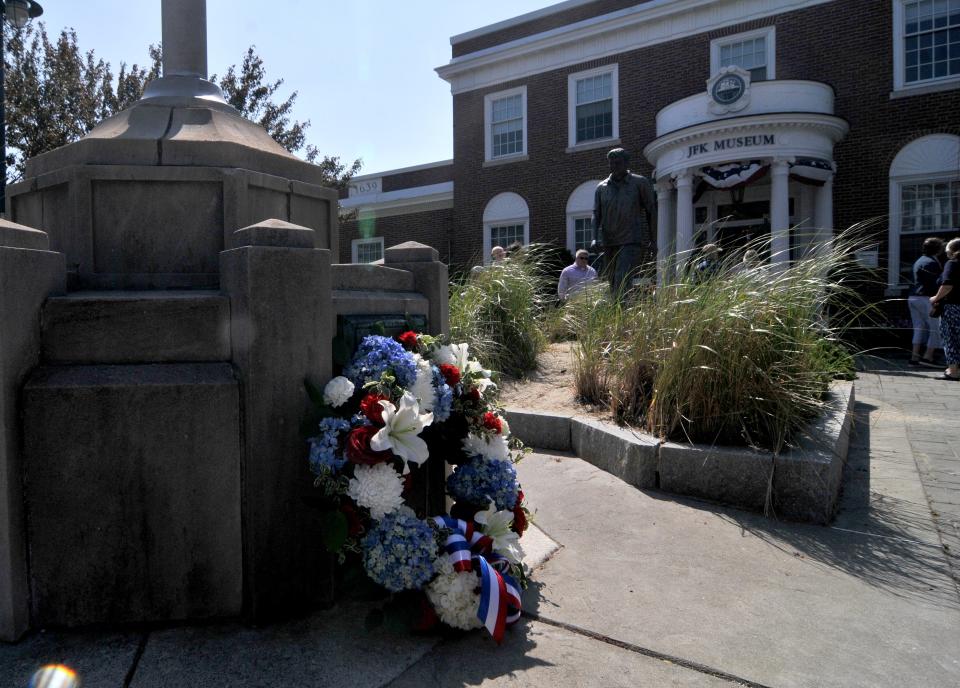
(431, 228)
(811, 44)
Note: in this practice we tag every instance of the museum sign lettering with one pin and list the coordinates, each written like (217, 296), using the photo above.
(731, 143)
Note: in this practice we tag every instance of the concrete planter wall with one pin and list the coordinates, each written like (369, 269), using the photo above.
(800, 485)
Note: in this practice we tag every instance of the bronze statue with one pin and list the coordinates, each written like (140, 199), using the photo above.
(625, 220)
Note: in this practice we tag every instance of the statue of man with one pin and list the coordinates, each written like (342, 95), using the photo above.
(625, 220)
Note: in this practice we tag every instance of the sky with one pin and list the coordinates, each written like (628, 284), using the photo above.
(364, 69)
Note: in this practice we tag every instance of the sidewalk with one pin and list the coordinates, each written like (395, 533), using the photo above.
(648, 589)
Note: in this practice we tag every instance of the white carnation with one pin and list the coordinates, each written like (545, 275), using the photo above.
(504, 427)
(337, 391)
(378, 488)
(494, 447)
(453, 596)
(422, 388)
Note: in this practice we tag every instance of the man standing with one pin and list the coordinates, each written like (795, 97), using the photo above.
(625, 218)
(575, 277)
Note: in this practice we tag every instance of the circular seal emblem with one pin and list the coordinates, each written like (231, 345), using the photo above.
(728, 89)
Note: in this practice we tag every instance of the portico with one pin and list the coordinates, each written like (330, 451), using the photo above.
(731, 164)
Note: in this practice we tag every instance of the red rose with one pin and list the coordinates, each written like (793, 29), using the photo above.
(354, 524)
(492, 422)
(372, 409)
(358, 446)
(451, 373)
(427, 618)
(519, 516)
(473, 394)
(408, 339)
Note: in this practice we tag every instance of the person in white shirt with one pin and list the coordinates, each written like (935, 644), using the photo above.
(575, 277)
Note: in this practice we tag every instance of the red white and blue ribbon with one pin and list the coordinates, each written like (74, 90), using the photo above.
(499, 593)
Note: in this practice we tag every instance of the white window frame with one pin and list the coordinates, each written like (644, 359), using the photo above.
(488, 124)
(572, 145)
(900, 85)
(355, 247)
(768, 32)
(572, 229)
(487, 246)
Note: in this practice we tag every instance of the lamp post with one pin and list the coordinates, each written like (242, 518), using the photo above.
(18, 13)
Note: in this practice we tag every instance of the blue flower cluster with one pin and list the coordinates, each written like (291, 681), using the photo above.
(444, 400)
(377, 355)
(399, 552)
(323, 449)
(484, 479)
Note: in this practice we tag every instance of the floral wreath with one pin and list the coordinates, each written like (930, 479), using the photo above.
(464, 570)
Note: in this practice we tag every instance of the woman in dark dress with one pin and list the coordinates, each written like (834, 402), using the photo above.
(948, 295)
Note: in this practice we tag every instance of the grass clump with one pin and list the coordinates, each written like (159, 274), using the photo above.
(742, 356)
(500, 310)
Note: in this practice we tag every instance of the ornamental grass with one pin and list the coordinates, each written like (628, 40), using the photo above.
(741, 356)
(499, 310)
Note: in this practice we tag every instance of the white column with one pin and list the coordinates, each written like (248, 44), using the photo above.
(824, 217)
(684, 182)
(780, 211)
(184, 38)
(664, 227)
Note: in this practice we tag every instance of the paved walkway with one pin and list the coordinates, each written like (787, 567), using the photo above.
(647, 589)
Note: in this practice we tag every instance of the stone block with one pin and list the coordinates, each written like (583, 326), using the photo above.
(273, 232)
(410, 252)
(281, 335)
(371, 277)
(26, 278)
(626, 454)
(136, 327)
(540, 430)
(132, 480)
(730, 475)
(807, 480)
(13, 235)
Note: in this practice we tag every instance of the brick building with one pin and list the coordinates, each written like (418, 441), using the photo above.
(788, 117)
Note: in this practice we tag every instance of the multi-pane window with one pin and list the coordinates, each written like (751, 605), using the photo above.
(931, 38)
(506, 126)
(504, 235)
(594, 107)
(368, 251)
(930, 207)
(750, 54)
(583, 234)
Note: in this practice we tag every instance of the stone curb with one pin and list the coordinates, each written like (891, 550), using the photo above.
(800, 485)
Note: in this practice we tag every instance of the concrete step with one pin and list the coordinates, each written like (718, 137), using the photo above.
(90, 327)
(132, 476)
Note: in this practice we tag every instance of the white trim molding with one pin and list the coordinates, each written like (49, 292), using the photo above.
(401, 170)
(402, 201)
(572, 79)
(770, 45)
(488, 101)
(901, 88)
(650, 23)
(355, 246)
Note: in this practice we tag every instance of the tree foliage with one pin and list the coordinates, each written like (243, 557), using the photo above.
(56, 93)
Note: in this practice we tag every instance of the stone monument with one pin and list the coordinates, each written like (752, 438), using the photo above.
(156, 337)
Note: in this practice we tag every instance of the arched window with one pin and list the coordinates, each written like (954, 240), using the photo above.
(580, 231)
(924, 200)
(506, 219)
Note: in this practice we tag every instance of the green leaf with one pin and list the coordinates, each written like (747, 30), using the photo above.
(333, 530)
(315, 394)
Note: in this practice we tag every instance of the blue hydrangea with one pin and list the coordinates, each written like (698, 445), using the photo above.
(399, 552)
(484, 479)
(323, 449)
(444, 398)
(377, 355)
(358, 419)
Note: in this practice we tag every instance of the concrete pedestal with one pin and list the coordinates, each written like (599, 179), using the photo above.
(28, 273)
(281, 334)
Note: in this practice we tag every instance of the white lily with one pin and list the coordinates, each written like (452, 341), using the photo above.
(401, 429)
(496, 525)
